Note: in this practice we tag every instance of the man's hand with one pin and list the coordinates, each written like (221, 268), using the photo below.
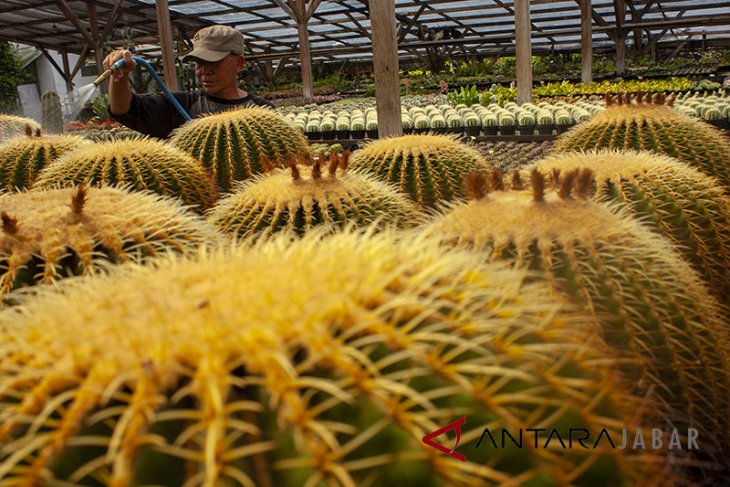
(129, 63)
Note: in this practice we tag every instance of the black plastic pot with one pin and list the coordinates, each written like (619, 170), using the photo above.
(357, 134)
(421, 131)
(722, 124)
(456, 130)
(328, 135)
(507, 129)
(408, 131)
(371, 134)
(440, 130)
(526, 129)
(490, 129)
(342, 134)
(314, 135)
(545, 129)
(562, 128)
(472, 131)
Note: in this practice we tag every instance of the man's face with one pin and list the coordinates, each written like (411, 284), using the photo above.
(219, 77)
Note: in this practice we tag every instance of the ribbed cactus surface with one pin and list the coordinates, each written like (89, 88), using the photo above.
(429, 168)
(51, 112)
(657, 128)
(654, 309)
(304, 197)
(233, 145)
(10, 126)
(678, 201)
(47, 235)
(323, 362)
(22, 158)
(140, 164)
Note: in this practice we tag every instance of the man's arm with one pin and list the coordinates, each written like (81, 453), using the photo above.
(120, 95)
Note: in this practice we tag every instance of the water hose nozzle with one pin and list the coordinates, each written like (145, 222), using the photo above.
(103, 76)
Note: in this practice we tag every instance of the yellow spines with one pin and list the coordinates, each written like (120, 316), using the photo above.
(307, 196)
(47, 235)
(683, 204)
(325, 360)
(429, 168)
(11, 126)
(141, 164)
(652, 306)
(233, 145)
(22, 158)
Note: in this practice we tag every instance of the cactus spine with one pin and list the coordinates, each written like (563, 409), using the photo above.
(429, 168)
(52, 114)
(678, 201)
(638, 123)
(23, 158)
(653, 308)
(233, 145)
(47, 235)
(164, 366)
(323, 193)
(141, 163)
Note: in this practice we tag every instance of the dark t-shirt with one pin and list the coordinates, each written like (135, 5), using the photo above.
(153, 115)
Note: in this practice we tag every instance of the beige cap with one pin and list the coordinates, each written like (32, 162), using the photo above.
(214, 43)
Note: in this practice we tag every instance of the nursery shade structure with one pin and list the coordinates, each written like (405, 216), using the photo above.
(341, 31)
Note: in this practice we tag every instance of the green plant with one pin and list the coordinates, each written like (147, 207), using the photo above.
(232, 145)
(526, 119)
(647, 126)
(49, 235)
(306, 198)
(329, 374)
(140, 164)
(472, 120)
(371, 125)
(465, 95)
(676, 200)
(545, 118)
(100, 107)
(357, 124)
(22, 158)
(427, 167)
(507, 119)
(653, 308)
(12, 126)
(10, 77)
(52, 115)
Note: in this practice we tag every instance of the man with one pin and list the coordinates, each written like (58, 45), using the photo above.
(218, 56)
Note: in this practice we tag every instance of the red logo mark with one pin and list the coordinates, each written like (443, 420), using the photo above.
(456, 425)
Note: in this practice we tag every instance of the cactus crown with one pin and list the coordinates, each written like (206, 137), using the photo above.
(142, 163)
(22, 158)
(676, 200)
(430, 168)
(52, 234)
(319, 191)
(11, 126)
(232, 144)
(385, 349)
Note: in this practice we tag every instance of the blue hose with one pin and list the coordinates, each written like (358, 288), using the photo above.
(165, 91)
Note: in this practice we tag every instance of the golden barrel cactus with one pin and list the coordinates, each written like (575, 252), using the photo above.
(654, 309)
(309, 196)
(139, 163)
(11, 126)
(630, 124)
(683, 204)
(235, 145)
(323, 362)
(22, 158)
(429, 168)
(48, 235)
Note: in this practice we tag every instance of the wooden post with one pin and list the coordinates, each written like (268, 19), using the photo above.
(305, 58)
(164, 27)
(98, 53)
(586, 41)
(620, 9)
(523, 51)
(385, 60)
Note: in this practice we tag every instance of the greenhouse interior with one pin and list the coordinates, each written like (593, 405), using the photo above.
(317, 243)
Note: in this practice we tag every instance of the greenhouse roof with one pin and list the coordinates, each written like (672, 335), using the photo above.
(341, 29)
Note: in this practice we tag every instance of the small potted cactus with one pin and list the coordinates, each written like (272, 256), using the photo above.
(472, 125)
(526, 123)
(713, 115)
(342, 127)
(456, 124)
(490, 124)
(357, 128)
(313, 131)
(545, 123)
(563, 121)
(507, 125)
(422, 126)
(327, 129)
(438, 124)
(371, 129)
(407, 123)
